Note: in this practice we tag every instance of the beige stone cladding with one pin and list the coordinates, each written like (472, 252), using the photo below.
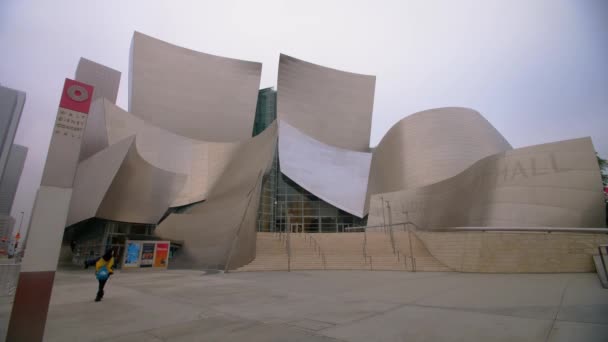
(549, 185)
(193, 94)
(517, 252)
(221, 232)
(329, 105)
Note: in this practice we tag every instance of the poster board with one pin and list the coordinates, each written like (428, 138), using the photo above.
(161, 255)
(146, 254)
(133, 254)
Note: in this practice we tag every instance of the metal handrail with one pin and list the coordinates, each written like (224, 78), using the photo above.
(600, 247)
(383, 217)
(524, 229)
(364, 228)
(364, 244)
(317, 248)
(493, 229)
(390, 230)
(409, 239)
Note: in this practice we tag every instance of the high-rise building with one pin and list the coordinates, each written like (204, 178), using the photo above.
(12, 158)
(11, 106)
(10, 178)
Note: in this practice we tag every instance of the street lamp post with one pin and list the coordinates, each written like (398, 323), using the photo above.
(17, 236)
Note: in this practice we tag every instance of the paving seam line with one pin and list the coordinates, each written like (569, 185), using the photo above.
(549, 333)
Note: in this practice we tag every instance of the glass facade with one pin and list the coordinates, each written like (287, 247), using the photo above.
(90, 238)
(265, 114)
(299, 210)
(265, 111)
(286, 205)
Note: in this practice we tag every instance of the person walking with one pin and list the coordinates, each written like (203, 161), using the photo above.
(103, 271)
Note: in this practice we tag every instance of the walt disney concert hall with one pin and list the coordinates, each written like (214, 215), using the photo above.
(243, 179)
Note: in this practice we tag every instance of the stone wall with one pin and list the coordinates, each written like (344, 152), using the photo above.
(514, 252)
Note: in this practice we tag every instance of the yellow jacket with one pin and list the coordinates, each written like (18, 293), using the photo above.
(108, 264)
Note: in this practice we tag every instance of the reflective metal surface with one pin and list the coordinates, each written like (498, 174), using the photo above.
(329, 105)
(430, 146)
(193, 94)
(336, 175)
(106, 81)
(550, 185)
(118, 184)
(223, 228)
(203, 162)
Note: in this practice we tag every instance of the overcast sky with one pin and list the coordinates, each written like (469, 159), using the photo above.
(537, 70)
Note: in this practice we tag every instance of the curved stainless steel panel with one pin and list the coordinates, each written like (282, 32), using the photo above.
(336, 175)
(432, 145)
(140, 192)
(118, 184)
(105, 81)
(190, 93)
(94, 177)
(550, 185)
(95, 135)
(331, 106)
(202, 162)
(222, 230)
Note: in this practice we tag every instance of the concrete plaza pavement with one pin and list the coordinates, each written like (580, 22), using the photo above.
(326, 306)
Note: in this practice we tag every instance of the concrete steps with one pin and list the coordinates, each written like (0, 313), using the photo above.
(342, 251)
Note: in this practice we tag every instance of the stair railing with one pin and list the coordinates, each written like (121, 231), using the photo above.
(602, 258)
(390, 226)
(409, 239)
(317, 249)
(364, 243)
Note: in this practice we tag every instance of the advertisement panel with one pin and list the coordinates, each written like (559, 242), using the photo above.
(133, 253)
(161, 256)
(147, 254)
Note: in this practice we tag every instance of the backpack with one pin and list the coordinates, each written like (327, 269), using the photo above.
(103, 273)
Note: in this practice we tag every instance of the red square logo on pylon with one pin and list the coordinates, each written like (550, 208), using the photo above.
(76, 96)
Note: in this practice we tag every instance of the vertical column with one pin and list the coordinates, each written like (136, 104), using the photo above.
(30, 308)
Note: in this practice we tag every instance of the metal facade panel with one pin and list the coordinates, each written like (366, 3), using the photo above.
(430, 146)
(337, 176)
(106, 82)
(203, 162)
(332, 106)
(94, 177)
(222, 230)
(550, 185)
(193, 94)
(140, 192)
